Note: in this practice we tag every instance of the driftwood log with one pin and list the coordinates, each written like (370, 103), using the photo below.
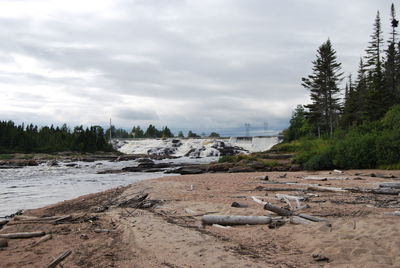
(387, 191)
(277, 210)
(42, 239)
(394, 185)
(234, 220)
(326, 189)
(311, 218)
(270, 189)
(299, 220)
(59, 259)
(22, 235)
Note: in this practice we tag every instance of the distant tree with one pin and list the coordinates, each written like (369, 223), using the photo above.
(137, 132)
(166, 132)
(192, 135)
(152, 132)
(324, 90)
(180, 134)
(214, 135)
(299, 125)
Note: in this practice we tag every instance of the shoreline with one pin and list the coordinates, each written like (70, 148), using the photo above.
(169, 234)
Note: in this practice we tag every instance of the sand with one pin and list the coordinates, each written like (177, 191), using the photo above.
(170, 234)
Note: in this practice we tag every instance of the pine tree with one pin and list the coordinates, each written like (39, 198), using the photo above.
(324, 90)
(349, 115)
(391, 64)
(378, 99)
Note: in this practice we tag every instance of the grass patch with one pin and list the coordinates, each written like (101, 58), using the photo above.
(6, 156)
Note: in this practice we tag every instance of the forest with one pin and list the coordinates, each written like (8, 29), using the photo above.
(29, 139)
(361, 130)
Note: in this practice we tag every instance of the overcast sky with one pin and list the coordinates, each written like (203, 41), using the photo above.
(189, 64)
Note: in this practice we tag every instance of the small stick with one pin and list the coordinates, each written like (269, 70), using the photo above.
(41, 240)
(60, 258)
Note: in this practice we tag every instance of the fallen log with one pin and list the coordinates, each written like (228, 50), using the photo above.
(60, 258)
(299, 220)
(22, 235)
(269, 189)
(104, 231)
(41, 240)
(234, 220)
(394, 185)
(388, 191)
(394, 213)
(277, 210)
(311, 218)
(326, 189)
(317, 178)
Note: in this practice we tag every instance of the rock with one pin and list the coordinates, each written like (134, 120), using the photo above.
(220, 167)
(3, 243)
(145, 160)
(71, 165)
(241, 169)
(295, 168)
(320, 257)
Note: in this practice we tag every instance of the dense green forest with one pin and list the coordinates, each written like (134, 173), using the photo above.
(18, 138)
(32, 139)
(361, 130)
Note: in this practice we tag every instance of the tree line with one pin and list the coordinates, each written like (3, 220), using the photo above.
(31, 138)
(153, 132)
(368, 97)
(362, 129)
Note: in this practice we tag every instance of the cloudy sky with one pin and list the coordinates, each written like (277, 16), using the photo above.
(189, 64)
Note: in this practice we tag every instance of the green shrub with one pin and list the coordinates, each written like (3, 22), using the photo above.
(356, 151)
(388, 147)
(391, 120)
(321, 161)
(228, 159)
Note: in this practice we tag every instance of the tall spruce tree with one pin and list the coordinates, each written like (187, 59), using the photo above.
(349, 115)
(323, 84)
(378, 99)
(392, 64)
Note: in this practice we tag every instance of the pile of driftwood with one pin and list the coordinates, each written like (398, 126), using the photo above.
(292, 214)
(283, 215)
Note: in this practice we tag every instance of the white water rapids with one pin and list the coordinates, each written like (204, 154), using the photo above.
(37, 186)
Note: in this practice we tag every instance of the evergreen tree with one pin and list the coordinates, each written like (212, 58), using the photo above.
(391, 64)
(324, 90)
(299, 126)
(349, 115)
(180, 134)
(137, 132)
(166, 132)
(378, 98)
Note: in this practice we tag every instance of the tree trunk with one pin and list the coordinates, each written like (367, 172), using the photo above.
(234, 220)
(22, 235)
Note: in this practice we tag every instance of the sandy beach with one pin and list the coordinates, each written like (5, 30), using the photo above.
(357, 232)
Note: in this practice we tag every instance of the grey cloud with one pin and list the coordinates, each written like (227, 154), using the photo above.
(214, 61)
(133, 114)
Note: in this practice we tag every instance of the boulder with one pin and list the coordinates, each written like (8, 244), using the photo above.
(237, 169)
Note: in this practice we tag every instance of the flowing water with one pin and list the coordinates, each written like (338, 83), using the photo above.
(37, 186)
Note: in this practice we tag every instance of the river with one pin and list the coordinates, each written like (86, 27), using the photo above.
(38, 186)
